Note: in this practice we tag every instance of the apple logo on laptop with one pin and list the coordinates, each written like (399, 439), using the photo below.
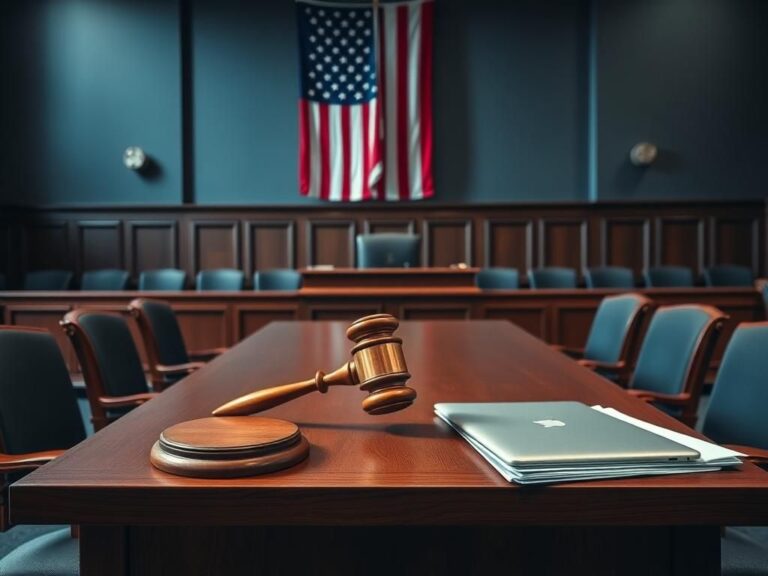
(549, 423)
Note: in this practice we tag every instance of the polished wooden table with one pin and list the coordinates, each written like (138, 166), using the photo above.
(391, 494)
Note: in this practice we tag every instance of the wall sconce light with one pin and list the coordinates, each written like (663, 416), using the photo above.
(134, 158)
(643, 154)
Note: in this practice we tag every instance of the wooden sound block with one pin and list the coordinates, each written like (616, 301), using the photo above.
(229, 447)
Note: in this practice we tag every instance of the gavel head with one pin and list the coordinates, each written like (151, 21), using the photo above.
(378, 364)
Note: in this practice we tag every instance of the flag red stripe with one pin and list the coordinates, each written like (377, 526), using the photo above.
(346, 155)
(427, 12)
(364, 118)
(382, 93)
(325, 153)
(403, 184)
(304, 147)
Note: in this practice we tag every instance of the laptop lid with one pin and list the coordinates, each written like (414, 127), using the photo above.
(537, 433)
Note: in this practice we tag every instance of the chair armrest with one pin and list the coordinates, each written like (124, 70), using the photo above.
(205, 355)
(123, 401)
(17, 462)
(571, 351)
(754, 455)
(615, 367)
(178, 368)
(674, 399)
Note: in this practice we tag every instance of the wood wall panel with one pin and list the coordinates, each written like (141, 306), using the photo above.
(100, 244)
(215, 244)
(626, 241)
(571, 324)
(680, 242)
(563, 243)
(348, 312)
(509, 243)
(734, 241)
(434, 311)
(204, 325)
(532, 319)
(269, 244)
(447, 242)
(252, 317)
(331, 242)
(520, 236)
(46, 246)
(152, 244)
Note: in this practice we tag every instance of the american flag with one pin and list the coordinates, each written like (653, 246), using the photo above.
(365, 110)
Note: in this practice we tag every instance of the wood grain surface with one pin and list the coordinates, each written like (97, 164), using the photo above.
(405, 468)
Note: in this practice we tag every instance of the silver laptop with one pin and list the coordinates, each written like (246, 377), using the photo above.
(529, 434)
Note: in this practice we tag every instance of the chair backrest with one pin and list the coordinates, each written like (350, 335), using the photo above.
(739, 401)
(220, 279)
(48, 280)
(38, 406)
(160, 331)
(615, 332)
(765, 298)
(388, 250)
(668, 277)
(497, 279)
(676, 351)
(728, 276)
(167, 279)
(552, 277)
(108, 356)
(277, 279)
(107, 279)
(609, 277)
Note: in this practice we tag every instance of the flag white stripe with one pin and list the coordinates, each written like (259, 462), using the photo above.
(414, 101)
(390, 115)
(337, 159)
(373, 118)
(314, 148)
(356, 146)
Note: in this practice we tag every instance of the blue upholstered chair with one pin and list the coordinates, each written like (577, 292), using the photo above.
(674, 358)
(106, 279)
(668, 277)
(736, 416)
(609, 277)
(39, 420)
(388, 250)
(221, 279)
(497, 279)
(167, 354)
(614, 337)
(112, 370)
(166, 279)
(48, 280)
(765, 298)
(552, 277)
(277, 279)
(728, 276)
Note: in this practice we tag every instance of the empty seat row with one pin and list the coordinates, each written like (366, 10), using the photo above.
(166, 279)
(613, 277)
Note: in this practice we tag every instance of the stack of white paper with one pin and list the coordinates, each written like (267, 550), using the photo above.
(711, 457)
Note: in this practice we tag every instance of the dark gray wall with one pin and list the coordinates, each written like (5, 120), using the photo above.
(692, 77)
(512, 90)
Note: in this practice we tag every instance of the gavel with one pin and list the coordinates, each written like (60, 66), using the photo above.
(377, 366)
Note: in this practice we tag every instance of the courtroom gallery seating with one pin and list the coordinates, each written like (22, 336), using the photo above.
(552, 277)
(497, 279)
(167, 354)
(668, 277)
(609, 277)
(107, 279)
(728, 276)
(614, 337)
(388, 250)
(674, 358)
(112, 370)
(37, 423)
(48, 280)
(220, 279)
(736, 416)
(277, 279)
(167, 279)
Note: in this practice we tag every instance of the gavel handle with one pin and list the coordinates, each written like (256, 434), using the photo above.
(271, 397)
